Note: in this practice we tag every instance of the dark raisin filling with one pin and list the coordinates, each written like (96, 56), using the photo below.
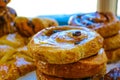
(77, 33)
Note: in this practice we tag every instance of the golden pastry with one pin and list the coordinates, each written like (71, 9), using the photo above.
(3, 3)
(7, 16)
(64, 44)
(113, 55)
(81, 69)
(113, 42)
(28, 27)
(14, 64)
(14, 40)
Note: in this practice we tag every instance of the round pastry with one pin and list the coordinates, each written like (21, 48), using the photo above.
(113, 74)
(106, 24)
(28, 27)
(3, 3)
(81, 69)
(7, 16)
(113, 55)
(113, 42)
(64, 44)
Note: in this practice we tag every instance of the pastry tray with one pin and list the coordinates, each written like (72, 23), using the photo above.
(32, 75)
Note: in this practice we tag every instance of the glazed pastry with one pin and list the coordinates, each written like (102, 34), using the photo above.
(7, 16)
(81, 69)
(106, 24)
(28, 27)
(64, 44)
(113, 42)
(113, 55)
(14, 64)
(3, 3)
(5, 52)
(14, 40)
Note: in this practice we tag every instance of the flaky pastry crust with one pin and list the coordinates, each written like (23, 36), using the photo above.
(112, 43)
(99, 76)
(64, 44)
(113, 55)
(83, 68)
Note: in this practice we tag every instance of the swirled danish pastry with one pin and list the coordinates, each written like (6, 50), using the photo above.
(65, 44)
(106, 24)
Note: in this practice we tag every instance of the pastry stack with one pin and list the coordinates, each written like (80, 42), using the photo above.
(107, 25)
(68, 53)
(112, 47)
(7, 16)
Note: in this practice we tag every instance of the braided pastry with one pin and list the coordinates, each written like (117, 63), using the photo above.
(28, 27)
(64, 44)
(106, 24)
(7, 16)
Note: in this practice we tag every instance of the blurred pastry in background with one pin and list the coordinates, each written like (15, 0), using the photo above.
(106, 24)
(3, 3)
(7, 16)
(28, 27)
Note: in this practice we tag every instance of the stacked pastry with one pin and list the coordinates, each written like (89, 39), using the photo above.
(7, 16)
(68, 53)
(107, 25)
